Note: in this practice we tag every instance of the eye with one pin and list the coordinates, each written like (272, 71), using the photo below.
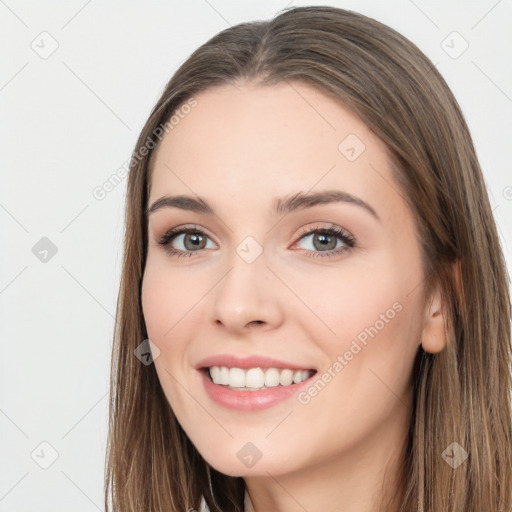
(321, 242)
(192, 239)
(325, 242)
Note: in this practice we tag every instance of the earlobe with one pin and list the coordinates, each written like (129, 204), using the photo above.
(434, 337)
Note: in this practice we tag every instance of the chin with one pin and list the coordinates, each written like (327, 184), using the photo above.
(244, 459)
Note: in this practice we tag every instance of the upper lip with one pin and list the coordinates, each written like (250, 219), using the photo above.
(234, 361)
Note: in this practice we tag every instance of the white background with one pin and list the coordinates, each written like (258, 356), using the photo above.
(68, 122)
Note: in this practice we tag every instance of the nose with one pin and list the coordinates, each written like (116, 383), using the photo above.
(248, 297)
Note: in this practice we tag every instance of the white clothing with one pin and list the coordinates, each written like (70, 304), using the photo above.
(204, 506)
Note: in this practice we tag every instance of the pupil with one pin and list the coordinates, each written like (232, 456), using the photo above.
(195, 239)
(324, 240)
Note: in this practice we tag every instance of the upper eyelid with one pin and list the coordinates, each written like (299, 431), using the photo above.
(175, 232)
(325, 227)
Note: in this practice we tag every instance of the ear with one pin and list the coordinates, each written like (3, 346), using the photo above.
(433, 337)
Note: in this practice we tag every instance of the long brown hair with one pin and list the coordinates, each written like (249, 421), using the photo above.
(463, 393)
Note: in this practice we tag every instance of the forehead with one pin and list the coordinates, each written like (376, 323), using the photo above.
(249, 141)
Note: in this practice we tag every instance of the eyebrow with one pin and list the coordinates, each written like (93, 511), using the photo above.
(298, 201)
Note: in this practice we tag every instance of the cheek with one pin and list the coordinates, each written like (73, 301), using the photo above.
(367, 374)
(378, 329)
(343, 301)
(166, 297)
(367, 313)
(165, 301)
(155, 302)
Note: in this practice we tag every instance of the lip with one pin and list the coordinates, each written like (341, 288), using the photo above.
(249, 400)
(233, 361)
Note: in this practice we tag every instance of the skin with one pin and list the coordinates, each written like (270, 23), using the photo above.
(239, 149)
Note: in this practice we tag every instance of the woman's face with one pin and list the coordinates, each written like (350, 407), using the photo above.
(258, 292)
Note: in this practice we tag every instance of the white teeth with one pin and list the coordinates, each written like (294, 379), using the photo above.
(286, 377)
(257, 378)
(272, 377)
(300, 375)
(254, 378)
(237, 377)
(223, 375)
(215, 373)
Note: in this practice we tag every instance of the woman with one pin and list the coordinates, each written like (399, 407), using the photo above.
(314, 311)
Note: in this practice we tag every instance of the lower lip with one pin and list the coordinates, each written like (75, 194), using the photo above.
(250, 400)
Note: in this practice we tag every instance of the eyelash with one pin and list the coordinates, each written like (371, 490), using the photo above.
(346, 238)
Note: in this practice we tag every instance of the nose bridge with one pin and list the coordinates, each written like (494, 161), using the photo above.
(246, 294)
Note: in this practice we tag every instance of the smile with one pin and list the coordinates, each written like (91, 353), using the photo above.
(254, 379)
